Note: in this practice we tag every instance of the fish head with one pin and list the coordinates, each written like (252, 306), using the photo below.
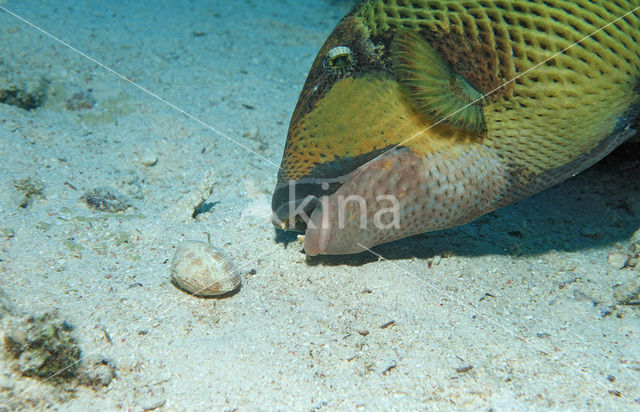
(353, 170)
(418, 117)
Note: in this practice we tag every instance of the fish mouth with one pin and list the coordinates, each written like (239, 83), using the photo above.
(294, 201)
(345, 214)
(395, 195)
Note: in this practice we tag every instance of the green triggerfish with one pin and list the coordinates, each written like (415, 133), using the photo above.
(420, 115)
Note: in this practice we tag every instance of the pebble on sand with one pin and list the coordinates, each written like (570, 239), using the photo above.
(148, 158)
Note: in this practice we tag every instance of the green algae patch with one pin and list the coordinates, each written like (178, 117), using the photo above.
(42, 347)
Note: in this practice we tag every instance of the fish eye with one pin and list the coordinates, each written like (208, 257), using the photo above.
(339, 59)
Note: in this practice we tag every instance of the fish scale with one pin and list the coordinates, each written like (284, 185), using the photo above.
(527, 92)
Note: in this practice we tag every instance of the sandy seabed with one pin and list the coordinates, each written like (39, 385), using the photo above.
(519, 310)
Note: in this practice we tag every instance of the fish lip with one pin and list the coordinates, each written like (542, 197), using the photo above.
(317, 237)
(302, 195)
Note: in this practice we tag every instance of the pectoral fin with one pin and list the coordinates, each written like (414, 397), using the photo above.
(432, 86)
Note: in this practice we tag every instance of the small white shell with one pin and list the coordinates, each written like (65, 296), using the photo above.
(203, 270)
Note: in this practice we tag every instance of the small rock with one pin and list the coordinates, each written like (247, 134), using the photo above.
(149, 158)
(151, 404)
(617, 260)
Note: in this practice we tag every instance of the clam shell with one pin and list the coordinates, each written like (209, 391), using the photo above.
(203, 270)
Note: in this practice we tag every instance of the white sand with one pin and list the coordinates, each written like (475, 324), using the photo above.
(301, 333)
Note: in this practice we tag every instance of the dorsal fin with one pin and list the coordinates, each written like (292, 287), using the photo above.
(432, 86)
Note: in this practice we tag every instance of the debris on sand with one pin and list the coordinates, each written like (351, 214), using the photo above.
(106, 200)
